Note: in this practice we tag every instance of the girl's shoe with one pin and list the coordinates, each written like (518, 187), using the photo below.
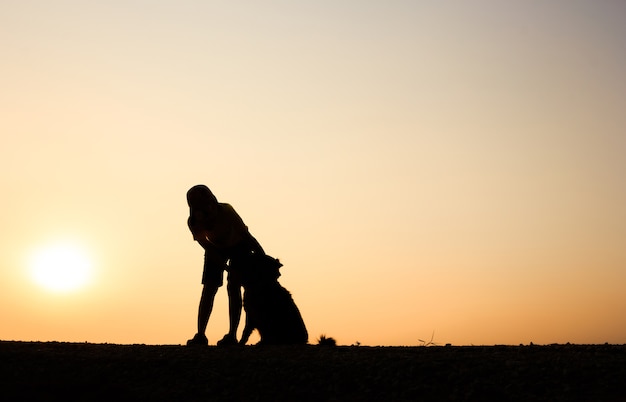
(227, 340)
(198, 340)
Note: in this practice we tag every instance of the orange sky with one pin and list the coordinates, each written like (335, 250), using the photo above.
(418, 167)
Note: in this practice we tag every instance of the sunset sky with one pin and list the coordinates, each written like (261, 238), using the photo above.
(455, 168)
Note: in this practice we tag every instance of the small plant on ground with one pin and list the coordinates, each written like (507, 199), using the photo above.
(324, 341)
(430, 342)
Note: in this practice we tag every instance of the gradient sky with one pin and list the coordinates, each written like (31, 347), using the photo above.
(445, 167)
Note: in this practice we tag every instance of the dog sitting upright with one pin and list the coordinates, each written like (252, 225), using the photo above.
(269, 307)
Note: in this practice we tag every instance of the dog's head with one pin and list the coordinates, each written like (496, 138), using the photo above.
(258, 269)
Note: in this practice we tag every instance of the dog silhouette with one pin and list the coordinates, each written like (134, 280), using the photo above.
(269, 307)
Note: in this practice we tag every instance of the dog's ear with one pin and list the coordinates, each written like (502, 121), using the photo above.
(271, 262)
(268, 266)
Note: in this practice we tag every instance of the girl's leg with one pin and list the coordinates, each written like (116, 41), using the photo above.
(204, 312)
(233, 288)
(206, 307)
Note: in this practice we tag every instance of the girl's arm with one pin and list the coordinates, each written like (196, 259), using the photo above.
(256, 247)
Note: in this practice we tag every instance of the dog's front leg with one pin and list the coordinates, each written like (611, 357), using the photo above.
(247, 331)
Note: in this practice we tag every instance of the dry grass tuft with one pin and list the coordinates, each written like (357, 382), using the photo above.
(324, 341)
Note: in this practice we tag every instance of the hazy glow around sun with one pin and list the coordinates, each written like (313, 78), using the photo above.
(61, 267)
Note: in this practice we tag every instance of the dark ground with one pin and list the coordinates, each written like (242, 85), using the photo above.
(81, 371)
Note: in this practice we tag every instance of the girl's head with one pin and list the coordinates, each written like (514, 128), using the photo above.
(200, 197)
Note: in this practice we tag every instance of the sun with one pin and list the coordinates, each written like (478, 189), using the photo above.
(61, 267)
